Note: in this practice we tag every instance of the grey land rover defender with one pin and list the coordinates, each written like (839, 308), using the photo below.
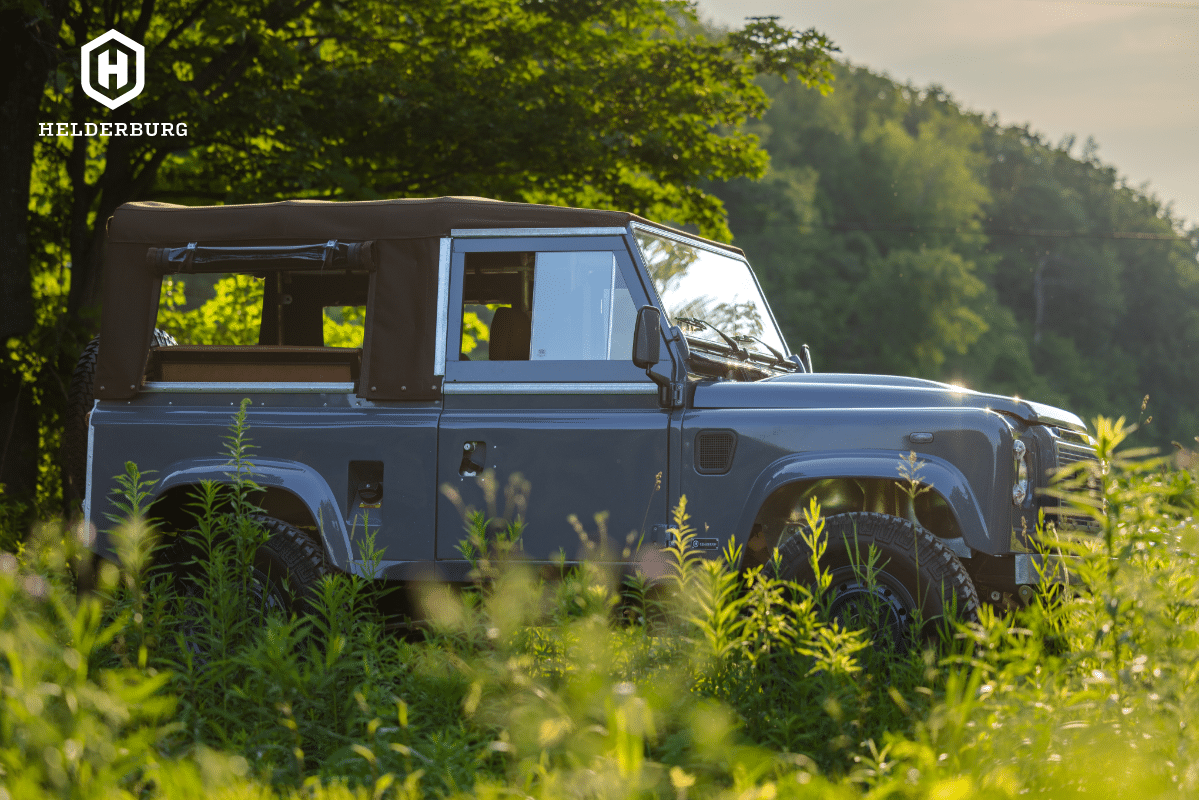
(610, 364)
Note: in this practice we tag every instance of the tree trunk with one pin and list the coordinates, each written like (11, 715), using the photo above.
(25, 63)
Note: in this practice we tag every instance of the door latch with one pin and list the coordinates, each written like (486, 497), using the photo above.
(474, 459)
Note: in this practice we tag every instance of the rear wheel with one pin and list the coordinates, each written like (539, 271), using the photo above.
(287, 568)
(915, 582)
(284, 575)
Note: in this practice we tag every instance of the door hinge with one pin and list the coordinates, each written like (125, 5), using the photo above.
(672, 395)
(678, 395)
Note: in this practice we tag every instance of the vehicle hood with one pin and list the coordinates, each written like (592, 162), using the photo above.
(845, 390)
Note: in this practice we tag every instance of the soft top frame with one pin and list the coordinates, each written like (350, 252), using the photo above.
(399, 239)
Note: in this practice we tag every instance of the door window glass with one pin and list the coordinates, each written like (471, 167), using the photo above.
(550, 306)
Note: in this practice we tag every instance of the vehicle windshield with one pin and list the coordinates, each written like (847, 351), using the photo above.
(705, 292)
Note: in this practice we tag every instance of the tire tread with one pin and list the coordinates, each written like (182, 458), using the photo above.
(303, 558)
(932, 554)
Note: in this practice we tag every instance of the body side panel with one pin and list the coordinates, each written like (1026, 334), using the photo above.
(777, 446)
(303, 443)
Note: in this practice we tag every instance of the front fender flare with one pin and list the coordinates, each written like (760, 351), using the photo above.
(940, 475)
(299, 479)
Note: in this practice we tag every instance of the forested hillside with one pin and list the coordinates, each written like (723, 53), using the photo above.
(897, 232)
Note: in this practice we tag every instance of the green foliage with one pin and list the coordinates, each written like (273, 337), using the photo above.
(344, 326)
(233, 315)
(545, 101)
(14, 522)
(896, 232)
(1098, 680)
(475, 333)
(42, 369)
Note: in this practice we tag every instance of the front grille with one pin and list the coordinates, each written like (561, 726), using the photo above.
(1070, 448)
(714, 451)
(1068, 453)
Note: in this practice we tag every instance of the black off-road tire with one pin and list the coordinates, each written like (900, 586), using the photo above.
(283, 580)
(285, 572)
(80, 397)
(288, 566)
(913, 564)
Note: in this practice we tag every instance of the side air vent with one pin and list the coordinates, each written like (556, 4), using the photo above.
(714, 451)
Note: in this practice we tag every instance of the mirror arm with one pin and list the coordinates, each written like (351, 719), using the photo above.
(647, 354)
(671, 393)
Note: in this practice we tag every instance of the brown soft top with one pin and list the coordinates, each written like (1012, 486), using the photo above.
(164, 223)
(398, 352)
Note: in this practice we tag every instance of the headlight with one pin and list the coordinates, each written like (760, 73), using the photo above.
(1021, 473)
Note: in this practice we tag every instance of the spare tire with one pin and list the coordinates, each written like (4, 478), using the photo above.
(80, 398)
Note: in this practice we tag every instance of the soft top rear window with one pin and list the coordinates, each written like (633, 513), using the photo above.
(273, 327)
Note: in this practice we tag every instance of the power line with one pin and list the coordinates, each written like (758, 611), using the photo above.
(1134, 3)
(1034, 233)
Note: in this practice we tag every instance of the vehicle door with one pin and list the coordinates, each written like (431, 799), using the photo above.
(545, 416)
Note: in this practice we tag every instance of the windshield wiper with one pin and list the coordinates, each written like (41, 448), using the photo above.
(699, 323)
(778, 356)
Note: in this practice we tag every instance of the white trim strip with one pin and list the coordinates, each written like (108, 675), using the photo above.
(548, 388)
(443, 294)
(479, 233)
(87, 481)
(205, 387)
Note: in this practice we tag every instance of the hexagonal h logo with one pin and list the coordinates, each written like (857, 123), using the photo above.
(112, 68)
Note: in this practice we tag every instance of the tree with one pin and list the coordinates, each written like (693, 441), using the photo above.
(895, 232)
(1102, 277)
(866, 230)
(26, 63)
(623, 104)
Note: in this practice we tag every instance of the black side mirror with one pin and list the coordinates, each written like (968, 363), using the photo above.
(647, 338)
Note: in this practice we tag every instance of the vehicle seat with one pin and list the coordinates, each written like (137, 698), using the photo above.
(511, 330)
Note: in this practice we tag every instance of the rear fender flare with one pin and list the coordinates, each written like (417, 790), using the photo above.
(299, 479)
(940, 475)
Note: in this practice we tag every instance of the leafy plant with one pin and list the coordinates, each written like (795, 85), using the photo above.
(720, 683)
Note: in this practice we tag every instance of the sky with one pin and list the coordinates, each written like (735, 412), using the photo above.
(1124, 73)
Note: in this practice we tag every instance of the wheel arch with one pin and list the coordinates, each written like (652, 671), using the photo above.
(291, 492)
(857, 481)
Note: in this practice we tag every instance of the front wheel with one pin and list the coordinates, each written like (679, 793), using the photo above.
(912, 583)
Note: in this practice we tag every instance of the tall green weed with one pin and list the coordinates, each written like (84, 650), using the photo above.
(708, 682)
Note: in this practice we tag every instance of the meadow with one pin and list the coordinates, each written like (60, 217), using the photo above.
(710, 683)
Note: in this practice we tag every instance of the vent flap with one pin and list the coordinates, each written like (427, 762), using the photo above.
(714, 451)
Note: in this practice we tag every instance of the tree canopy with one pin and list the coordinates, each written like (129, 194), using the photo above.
(626, 104)
(603, 104)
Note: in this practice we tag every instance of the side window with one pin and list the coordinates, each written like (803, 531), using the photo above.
(287, 327)
(548, 306)
(227, 310)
